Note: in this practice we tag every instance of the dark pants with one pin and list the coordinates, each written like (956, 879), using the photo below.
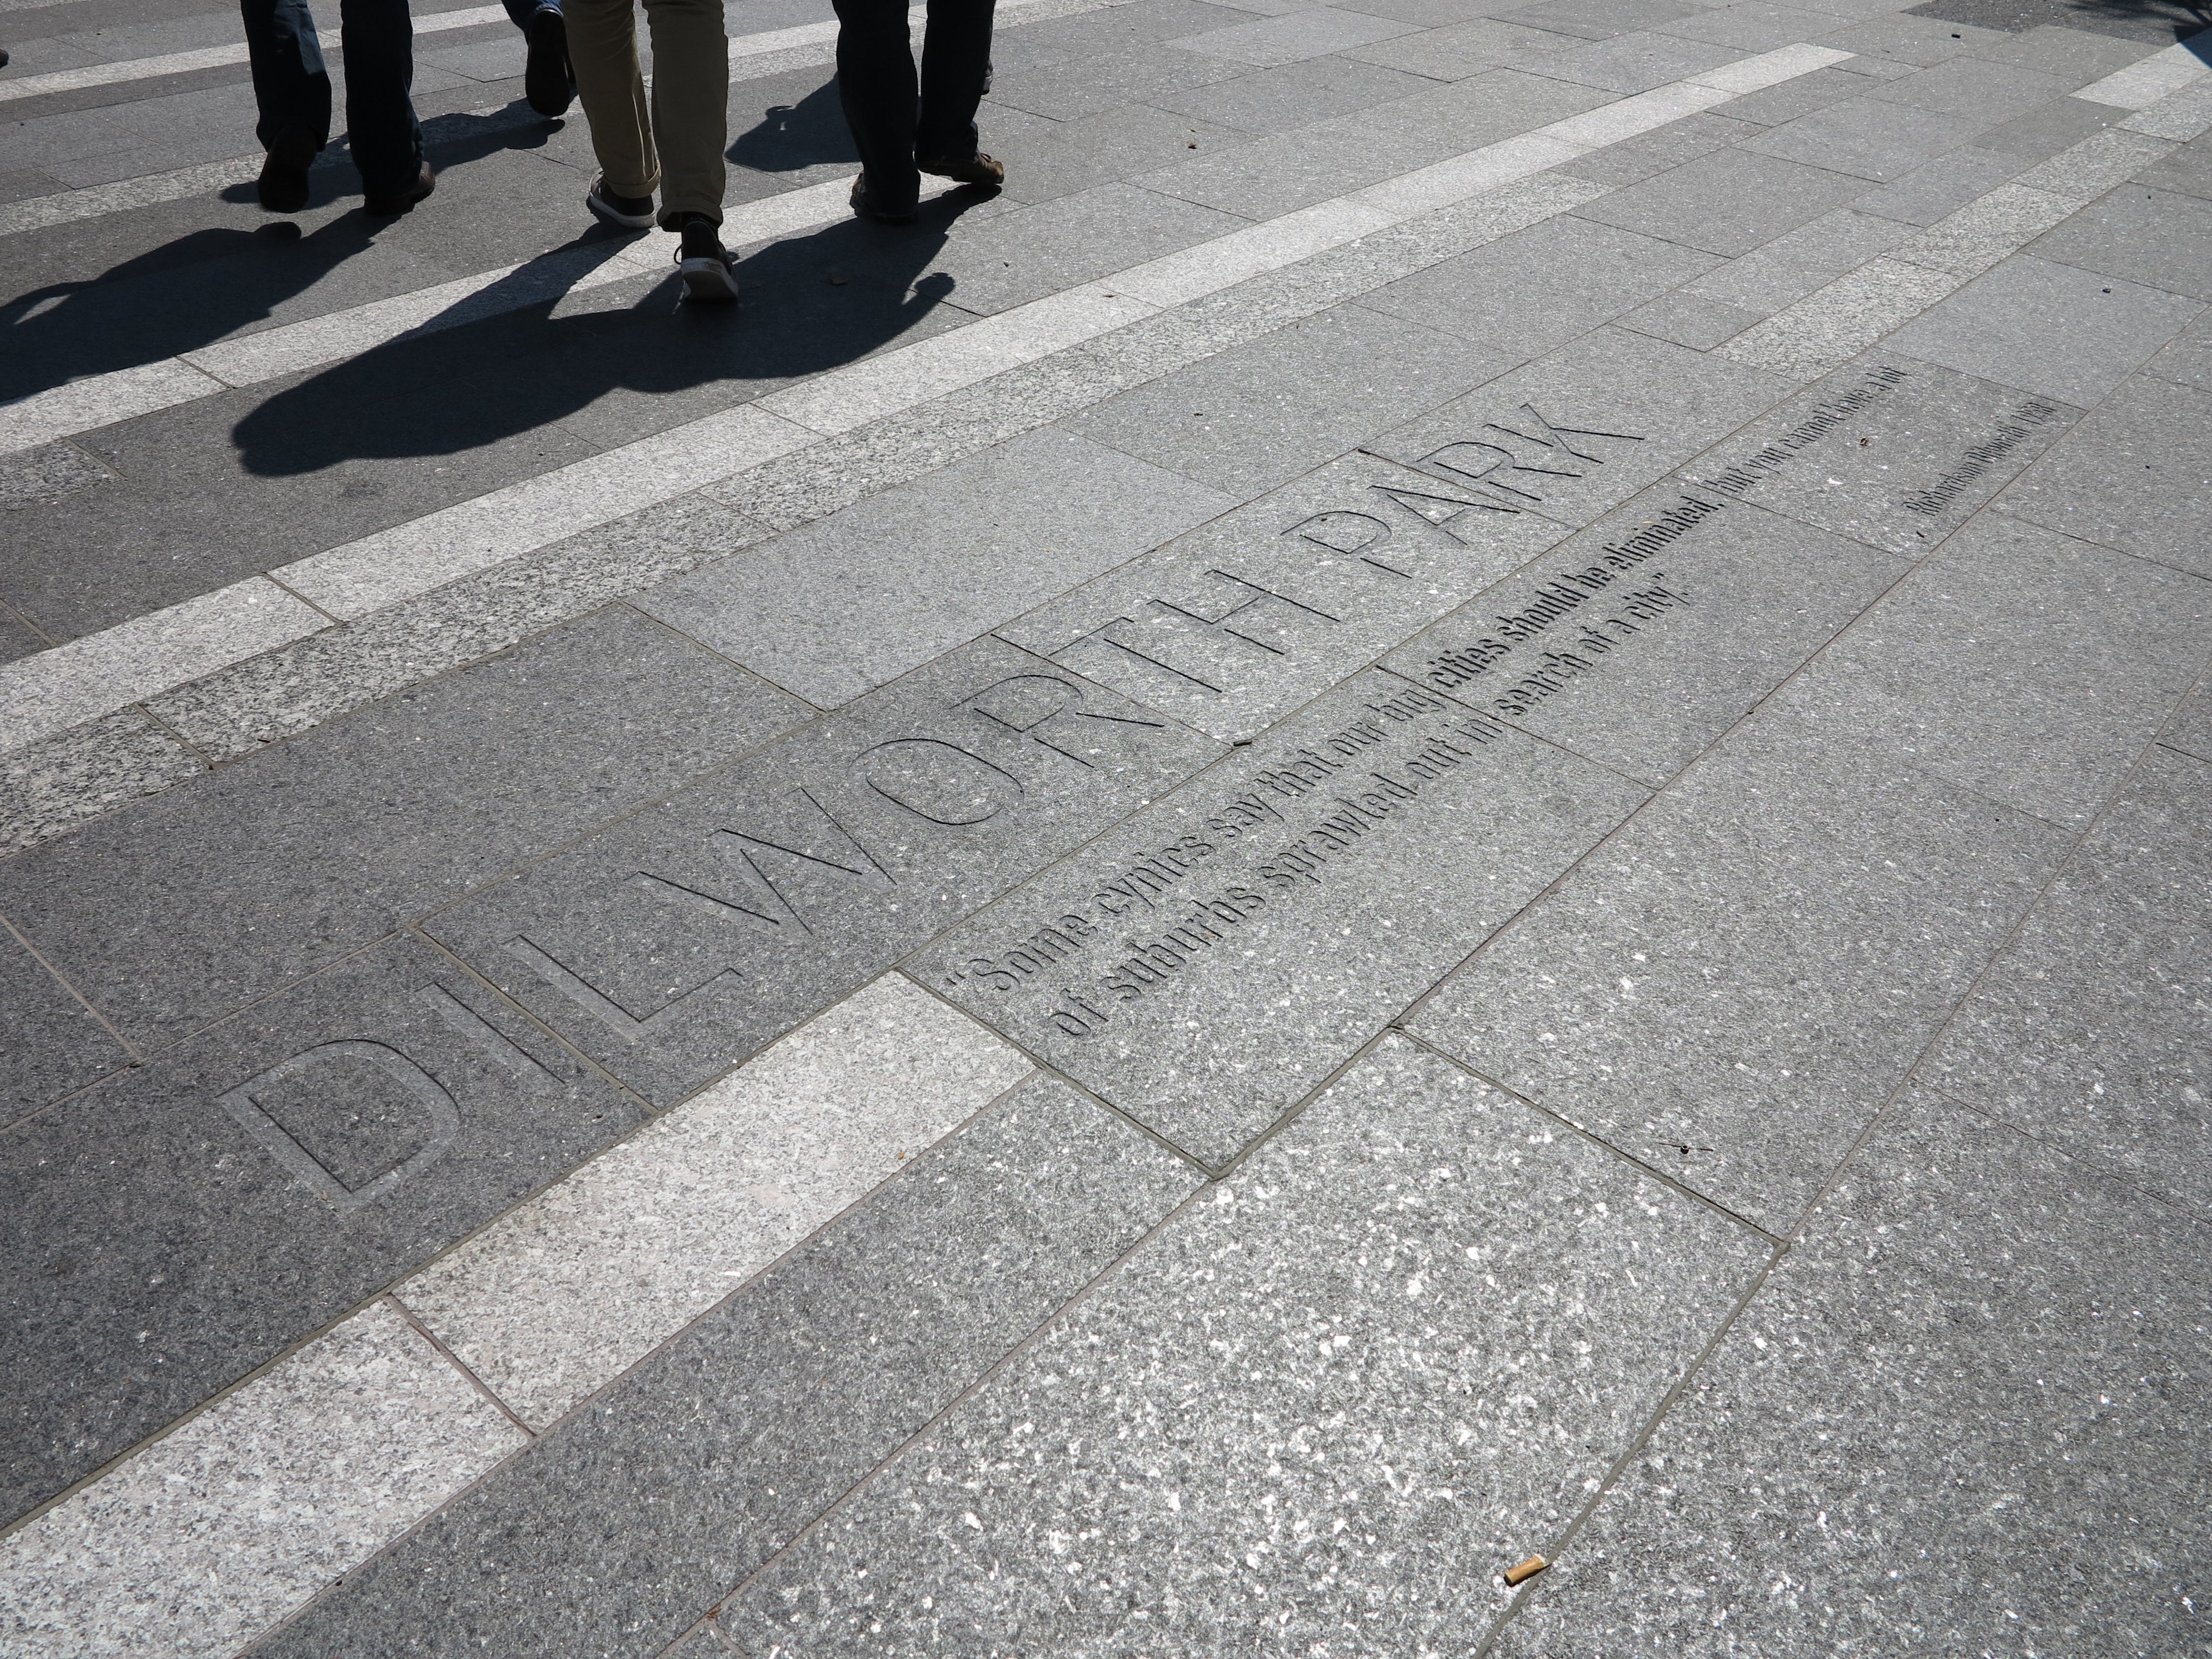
(892, 121)
(522, 11)
(293, 89)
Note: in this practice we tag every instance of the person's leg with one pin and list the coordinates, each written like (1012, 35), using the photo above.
(291, 87)
(379, 72)
(603, 50)
(690, 105)
(956, 73)
(876, 85)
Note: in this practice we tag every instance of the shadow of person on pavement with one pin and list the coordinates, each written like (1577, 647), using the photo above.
(789, 137)
(809, 303)
(207, 285)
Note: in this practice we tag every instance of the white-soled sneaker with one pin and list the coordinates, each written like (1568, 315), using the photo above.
(704, 262)
(625, 212)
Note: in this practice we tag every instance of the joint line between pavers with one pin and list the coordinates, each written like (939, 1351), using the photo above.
(1642, 1166)
(391, 1298)
(137, 1055)
(1635, 1449)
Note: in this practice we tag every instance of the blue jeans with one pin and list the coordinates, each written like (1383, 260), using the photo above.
(293, 89)
(894, 119)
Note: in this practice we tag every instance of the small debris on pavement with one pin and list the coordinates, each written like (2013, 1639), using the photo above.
(1526, 1571)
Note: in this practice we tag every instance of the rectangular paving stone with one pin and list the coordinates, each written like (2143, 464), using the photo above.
(215, 1532)
(1830, 326)
(198, 900)
(1689, 319)
(2075, 55)
(1207, 964)
(1965, 1408)
(1756, 26)
(1232, 626)
(821, 611)
(1577, 433)
(2047, 328)
(1937, 187)
(1987, 231)
(1866, 138)
(1642, 640)
(1372, 1370)
(1295, 169)
(1536, 291)
(674, 945)
(1291, 94)
(1731, 989)
(618, 1530)
(1888, 451)
(1794, 264)
(1974, 87)
(2160, 237)
(1255, 415)
(1049, 159)
(1639, 61)
(1461, 51)
(1617, 164)
(50, 1042)
(560, 1296)
(1907, 37)
(2132, 476)
(1728, 202)
(1599, 19)
(1070, 87)
(1049, 247)
(2089, 1033)
(2184, 168)
(1309, 32)
(2027, 667)
(52, 785)
(187, 1222)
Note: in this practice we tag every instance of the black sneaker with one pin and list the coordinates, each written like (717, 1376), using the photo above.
(863, 202)
(976, 169)
(627, 212)
(389, 203)
(548, 83)
(703, 263)
(282, 186)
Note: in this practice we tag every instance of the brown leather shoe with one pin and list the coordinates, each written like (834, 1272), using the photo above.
(976, 169)
(863, 203)
(387, 204)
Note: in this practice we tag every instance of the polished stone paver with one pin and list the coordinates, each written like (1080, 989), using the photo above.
(1446, 804)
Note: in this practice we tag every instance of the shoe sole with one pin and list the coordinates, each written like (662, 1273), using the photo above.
(607, 213)
(391, 207)
(707, 279)
(546, 84)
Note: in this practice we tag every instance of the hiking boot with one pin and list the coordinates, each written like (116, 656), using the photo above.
(863, 202)
(702, 261)
(389, 203)
(282, 186)
(976, 169)
(625, 212)
(548, 83)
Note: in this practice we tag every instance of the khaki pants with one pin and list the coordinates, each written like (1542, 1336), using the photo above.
(688, 120)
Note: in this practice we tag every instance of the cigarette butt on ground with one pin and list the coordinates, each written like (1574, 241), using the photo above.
(1526, 1571)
